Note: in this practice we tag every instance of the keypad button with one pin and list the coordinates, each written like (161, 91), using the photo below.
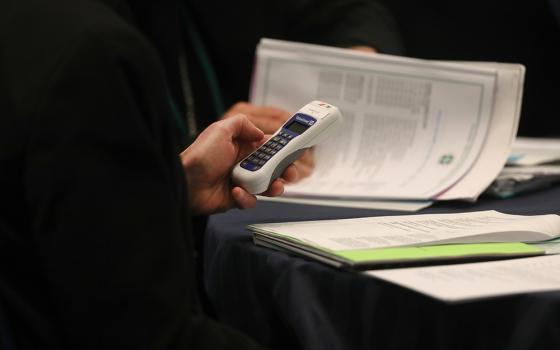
(283, 142)
(278, 147)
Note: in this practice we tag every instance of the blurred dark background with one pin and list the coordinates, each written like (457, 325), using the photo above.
(526, 32)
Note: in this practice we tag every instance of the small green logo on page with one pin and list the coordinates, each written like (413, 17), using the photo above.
(446, 159)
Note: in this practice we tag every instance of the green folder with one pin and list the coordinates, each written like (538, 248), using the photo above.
(470, 251)
(400, 256)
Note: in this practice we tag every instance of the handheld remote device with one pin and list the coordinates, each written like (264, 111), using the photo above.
(309, 126)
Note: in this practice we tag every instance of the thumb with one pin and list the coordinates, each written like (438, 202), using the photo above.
(243, 129)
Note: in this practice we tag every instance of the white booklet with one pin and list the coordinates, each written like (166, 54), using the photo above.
(413, 129)
(371, 241)
(532, 151)
(456, 283)
(533, 164)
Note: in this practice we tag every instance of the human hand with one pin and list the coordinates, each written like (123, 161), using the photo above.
(305, 163)
(208, 162)
(363, 48)
(269, 119)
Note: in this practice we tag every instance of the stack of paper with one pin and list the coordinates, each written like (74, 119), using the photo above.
(534, 163)
(465, 282)
(378, 241)
(531, 151)
(414, 130)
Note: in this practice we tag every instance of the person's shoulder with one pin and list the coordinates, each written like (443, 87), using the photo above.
(48, 29)
(39, 38)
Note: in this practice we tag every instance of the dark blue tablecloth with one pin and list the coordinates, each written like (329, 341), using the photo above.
(288, 302)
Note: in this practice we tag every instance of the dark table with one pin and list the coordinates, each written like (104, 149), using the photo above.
(288, 302)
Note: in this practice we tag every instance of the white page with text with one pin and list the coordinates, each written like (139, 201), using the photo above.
(412, 128)
(463, 282)
(417, 230)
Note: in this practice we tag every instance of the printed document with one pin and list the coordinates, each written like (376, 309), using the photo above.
(533, 164)
(528, 151)
(410, 206)
(416, 230)
(464, 282)
(413, 129)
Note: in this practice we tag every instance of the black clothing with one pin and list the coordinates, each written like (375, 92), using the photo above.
(524, 32)
(231, 30)
(95, 239)
(96, 243)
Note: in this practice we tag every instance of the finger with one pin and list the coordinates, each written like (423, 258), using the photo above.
(275, 189)
(241, 128)
(305, 164)
(243, 107)
(273, 113)
(304, 170)
(307, 158)
(240, 107)
(247, 148)
(291, 173)
(242, 198)
(250, 109)
(268, 119)
(363, 48)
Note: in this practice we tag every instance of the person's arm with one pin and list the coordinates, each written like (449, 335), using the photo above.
(107, 209)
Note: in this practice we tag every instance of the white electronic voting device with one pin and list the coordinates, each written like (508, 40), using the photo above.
(309, 126)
